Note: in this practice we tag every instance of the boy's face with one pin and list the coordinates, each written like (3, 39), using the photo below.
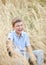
(18, 27)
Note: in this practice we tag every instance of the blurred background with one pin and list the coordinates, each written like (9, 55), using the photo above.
(33, 14)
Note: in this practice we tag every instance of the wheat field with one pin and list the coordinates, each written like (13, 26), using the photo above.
(33, 14)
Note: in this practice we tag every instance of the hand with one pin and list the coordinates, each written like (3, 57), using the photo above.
(32, 62)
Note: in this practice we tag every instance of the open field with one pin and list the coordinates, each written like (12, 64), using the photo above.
(33, 14)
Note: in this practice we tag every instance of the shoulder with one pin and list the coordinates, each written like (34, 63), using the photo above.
(10, 34)
(25, 34)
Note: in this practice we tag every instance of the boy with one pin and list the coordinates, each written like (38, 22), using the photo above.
(20, 40)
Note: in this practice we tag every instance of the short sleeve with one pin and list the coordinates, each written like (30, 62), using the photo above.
(27, 42)
(10, 36)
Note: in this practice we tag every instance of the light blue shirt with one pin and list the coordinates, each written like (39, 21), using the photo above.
(20, 41)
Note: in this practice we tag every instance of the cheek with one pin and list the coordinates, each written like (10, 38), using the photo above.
(22, 28)
(17, 28)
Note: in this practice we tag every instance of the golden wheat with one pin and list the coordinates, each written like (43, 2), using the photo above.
(33, 14)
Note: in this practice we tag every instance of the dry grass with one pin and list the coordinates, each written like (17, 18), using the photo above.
(33, 14)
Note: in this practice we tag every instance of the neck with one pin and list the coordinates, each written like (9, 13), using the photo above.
(18, 34)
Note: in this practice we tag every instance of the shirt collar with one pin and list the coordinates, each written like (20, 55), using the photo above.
(17, 35)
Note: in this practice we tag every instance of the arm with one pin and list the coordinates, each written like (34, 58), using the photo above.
(33, 58)
(10, 48)
(29, 49)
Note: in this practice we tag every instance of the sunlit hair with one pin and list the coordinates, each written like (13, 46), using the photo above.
(15, 21)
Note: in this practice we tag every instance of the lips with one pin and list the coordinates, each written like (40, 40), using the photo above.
(19, 30)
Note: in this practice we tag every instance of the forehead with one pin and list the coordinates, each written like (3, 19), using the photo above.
(19, 23)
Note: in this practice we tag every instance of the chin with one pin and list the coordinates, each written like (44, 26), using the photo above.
(20, 32)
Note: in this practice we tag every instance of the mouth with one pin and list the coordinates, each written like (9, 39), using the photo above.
(19, 30)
